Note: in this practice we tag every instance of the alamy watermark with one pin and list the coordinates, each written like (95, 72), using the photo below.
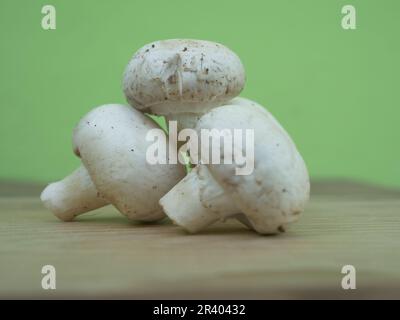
(49, 18)
(237, 146)
(349, 18)
(49, 278)
(349, 280)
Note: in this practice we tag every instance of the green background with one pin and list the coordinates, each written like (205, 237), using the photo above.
(336, 91)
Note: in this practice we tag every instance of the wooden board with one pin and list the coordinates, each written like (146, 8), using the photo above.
(103, 255)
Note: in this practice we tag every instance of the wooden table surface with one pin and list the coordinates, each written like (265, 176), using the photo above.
(103, 255)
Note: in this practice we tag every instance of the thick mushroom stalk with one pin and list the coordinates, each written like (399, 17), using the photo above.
(267, 199)
(72, 196)
(182, 79)
(198, 201)
(111, 142)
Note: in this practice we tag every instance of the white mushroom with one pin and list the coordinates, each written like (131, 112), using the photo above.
(267, 200)
(182, 79)
(110, 141)
(72, 196)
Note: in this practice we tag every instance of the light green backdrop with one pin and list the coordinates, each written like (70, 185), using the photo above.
(337, 92)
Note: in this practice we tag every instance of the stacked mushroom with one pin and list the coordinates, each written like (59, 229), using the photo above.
(196, 84)
(182, 79)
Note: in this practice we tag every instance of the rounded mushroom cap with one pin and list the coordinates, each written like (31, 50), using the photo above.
(177, 76)
(111, 141)
(277, 190)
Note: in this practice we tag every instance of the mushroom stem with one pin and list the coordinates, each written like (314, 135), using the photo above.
(185, 120)
(197, 201)
(72, 196)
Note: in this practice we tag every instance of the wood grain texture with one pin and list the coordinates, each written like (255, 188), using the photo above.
(103, 255)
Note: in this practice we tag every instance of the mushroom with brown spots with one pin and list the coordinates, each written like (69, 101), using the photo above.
(182, 79)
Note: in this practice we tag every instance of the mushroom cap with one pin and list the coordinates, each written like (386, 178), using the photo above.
(111, 141)
(181, 75)
(277, 190)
